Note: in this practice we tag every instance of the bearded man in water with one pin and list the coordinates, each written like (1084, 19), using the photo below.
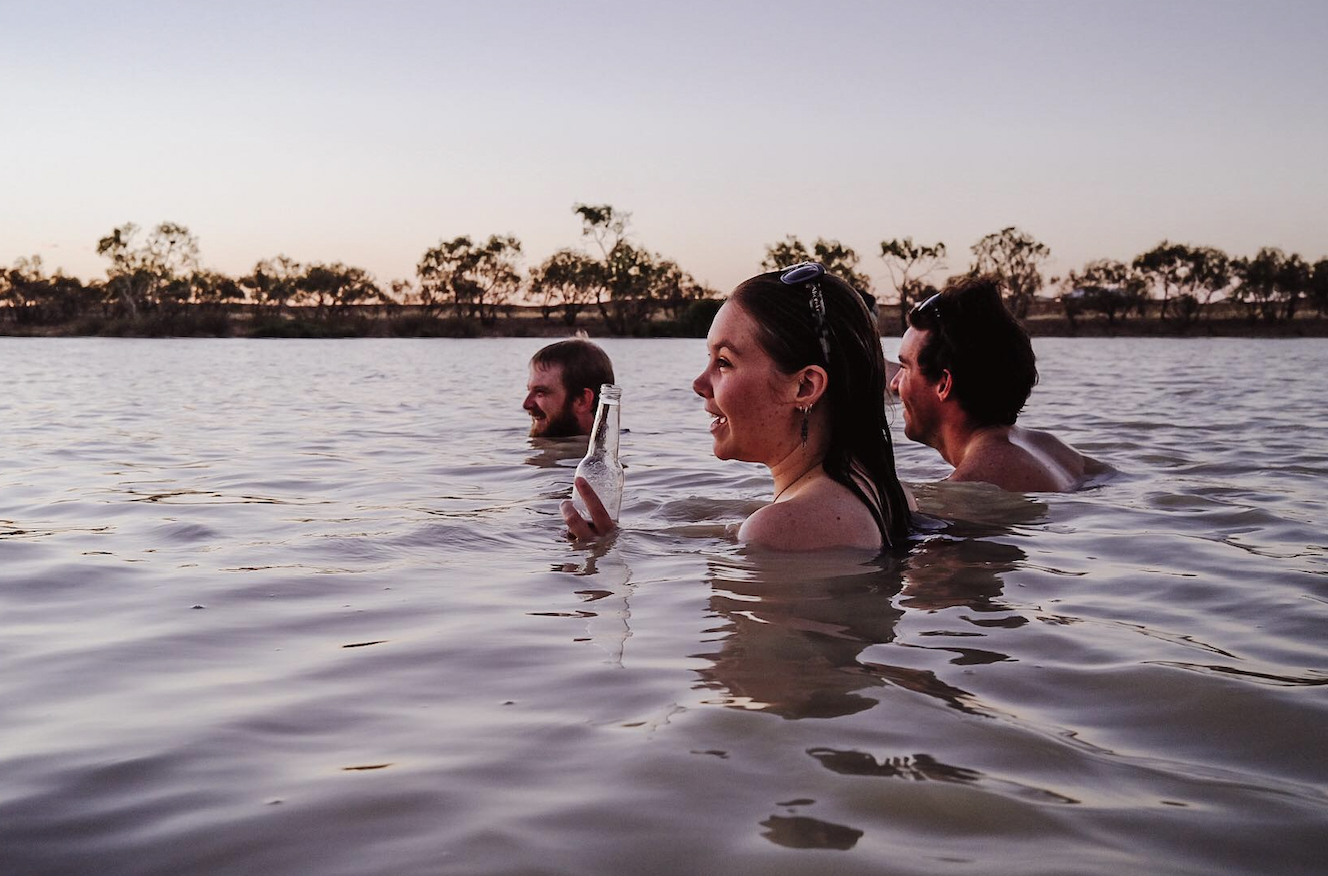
(966, 369)
(563, 390)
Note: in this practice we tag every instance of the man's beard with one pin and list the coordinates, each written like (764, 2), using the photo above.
(561, 424)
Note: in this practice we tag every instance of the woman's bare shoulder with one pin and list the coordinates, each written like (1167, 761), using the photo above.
(824, 516)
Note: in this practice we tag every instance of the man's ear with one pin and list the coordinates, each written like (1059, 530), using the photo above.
(583, 402)
(945, 385)
(812, 382)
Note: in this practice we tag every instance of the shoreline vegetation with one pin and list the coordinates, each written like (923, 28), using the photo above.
(156, 286)
(1046, 319)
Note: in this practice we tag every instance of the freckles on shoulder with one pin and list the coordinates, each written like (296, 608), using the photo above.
(788, 526)
(771, 527)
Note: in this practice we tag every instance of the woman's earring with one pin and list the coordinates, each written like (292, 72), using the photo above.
(805, 411)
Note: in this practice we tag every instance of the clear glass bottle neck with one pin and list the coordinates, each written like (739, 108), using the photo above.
(604, 434)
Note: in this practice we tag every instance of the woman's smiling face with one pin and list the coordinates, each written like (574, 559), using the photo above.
(751, 400)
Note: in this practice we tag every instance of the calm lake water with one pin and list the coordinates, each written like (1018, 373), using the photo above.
(304, 607)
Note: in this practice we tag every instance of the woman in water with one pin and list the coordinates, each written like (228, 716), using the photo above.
(795, 380)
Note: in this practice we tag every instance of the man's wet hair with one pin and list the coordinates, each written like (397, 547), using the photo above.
(988, 353)
(584, 365)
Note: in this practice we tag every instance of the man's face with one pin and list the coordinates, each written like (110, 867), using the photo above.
(549, 404)
(921, 401)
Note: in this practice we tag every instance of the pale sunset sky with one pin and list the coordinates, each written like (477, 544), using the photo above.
(365, 132)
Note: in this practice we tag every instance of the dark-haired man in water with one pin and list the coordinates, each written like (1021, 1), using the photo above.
(966, 369)
(563, 389)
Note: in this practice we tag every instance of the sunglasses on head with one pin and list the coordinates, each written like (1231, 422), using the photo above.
(931, 306)
(810, 273)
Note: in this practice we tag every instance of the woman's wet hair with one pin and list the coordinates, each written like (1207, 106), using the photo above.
(971, 334)
(791, 334)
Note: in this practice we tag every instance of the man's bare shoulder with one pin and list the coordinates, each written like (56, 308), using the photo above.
(1024, 460)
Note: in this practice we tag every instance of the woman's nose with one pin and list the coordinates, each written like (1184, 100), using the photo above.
(701, 385)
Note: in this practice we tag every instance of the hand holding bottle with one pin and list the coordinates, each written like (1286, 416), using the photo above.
(600, 524)
(597, 489)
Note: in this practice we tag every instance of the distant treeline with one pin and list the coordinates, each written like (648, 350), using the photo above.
(155, 285)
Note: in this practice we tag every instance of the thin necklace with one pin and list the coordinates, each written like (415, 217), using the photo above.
(804, 474)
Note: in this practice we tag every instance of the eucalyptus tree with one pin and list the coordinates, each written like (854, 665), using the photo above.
(332, 289)
(1258, 282)
(620, 279)
(838, 259)
(631, 283)
(680, 290)
(401, 292)
(604, 224)
(1015, 257)
(213, 288)
(639, 283)
(32, 297)
(140, 273)
(478, 279)
(1106, 286)
(1294, 282)
(1272, 283)
(7, 296)
(569, 280)
(1210, 275)
(908, 265)
(1318, 286)
(1200, 273)
(23, 291)
(273, 283)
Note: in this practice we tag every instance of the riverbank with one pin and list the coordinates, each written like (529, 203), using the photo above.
(1047, 320)
(1308, 326)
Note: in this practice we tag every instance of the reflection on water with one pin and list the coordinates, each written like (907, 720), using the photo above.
(795, 627)
(792, 633)
(307, 607)
(917, 768)
(556, 452)
(955, 572)
(974, 508)
(801, 832)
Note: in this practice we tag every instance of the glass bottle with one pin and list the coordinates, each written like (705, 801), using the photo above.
(601, 466)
